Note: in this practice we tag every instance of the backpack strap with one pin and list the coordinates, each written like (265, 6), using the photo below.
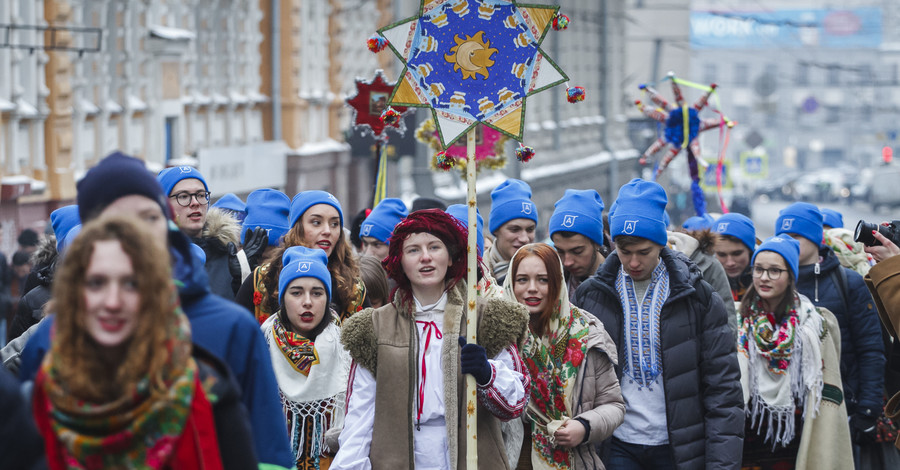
(841, 282)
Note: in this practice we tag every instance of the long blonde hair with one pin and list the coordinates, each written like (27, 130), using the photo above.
(88, 370)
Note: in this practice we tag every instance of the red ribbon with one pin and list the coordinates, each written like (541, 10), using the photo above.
(430, 327)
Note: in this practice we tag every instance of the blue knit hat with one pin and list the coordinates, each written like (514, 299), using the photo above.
(738, 226)
(381, 221)
(801, 218)
(169, 177)
(306, 199)
(198, 252)
(62, 220)
(231, 202)
(787, 247)
(300, 261)
(68, 239)
(116, 176)
(698, 223)
(639, 211)
(832, 218)
(268, 209)
(511, 200)
(461, 213)
(579, 211)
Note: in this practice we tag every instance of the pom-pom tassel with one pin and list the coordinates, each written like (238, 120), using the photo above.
(524, 153)
(376, 43)
(560, 22)
(575, 94)
(444, 161)
(390, 116)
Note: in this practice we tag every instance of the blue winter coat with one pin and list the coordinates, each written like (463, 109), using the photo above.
(229, 332)
(862, 349)
(701, 377)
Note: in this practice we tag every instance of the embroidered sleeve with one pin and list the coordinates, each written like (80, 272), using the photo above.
(506, 394)
(356, 437)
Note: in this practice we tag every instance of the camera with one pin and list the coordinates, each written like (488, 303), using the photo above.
(864, 230)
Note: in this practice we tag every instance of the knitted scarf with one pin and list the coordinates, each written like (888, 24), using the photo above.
(643, 352)
(137, 430)
(312, 378)
(552, 361)
(497, 264)
(780, 365)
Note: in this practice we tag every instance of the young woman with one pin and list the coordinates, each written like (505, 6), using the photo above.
(406, 399)
(790, 371)
(119, 387)
(310, 364)
(316, 221)
(575, 398)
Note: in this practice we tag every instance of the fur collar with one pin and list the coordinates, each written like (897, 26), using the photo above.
(46, 251)
(221, 226)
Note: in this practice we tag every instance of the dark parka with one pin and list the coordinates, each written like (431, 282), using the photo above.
(862, 348)
(704, 402)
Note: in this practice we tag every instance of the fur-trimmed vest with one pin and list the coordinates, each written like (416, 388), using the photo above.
(383, 341)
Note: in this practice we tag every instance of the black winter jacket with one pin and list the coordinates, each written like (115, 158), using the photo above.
(704, 401)
(862, 348)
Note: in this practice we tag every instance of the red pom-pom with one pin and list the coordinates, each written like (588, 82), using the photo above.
(575, 94)
(524, 153)
(376, 43)
(560, 22)
(444, 161)
(390, 116)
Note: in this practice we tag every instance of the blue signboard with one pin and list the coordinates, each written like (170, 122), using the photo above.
(839, 29)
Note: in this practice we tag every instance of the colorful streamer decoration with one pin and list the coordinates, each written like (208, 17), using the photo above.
(682, 126)
(489, 148)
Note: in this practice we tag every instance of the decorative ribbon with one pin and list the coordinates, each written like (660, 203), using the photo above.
(430, 327)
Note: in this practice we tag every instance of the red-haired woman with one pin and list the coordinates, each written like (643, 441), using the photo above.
(575, 398)
(406, 405)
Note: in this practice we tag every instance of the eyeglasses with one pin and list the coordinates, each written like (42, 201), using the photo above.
(774, 273)
(184, 199)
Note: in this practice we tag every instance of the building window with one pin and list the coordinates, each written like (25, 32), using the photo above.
(709, 73)
(833, 77)
(171, 122)
(802, 77)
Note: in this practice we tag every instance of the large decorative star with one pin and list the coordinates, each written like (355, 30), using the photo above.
(473, 61)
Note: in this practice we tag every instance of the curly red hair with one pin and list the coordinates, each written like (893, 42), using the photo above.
(438, 223)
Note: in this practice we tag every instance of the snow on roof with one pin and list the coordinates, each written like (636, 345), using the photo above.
(172, 34)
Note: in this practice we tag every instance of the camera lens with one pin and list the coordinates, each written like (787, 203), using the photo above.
(863, 233)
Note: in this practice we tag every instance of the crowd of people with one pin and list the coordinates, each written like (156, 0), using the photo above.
(155, 329)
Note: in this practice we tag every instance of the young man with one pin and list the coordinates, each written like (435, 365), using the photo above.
(576, 229)
(735, 244)
(375, 232)
(512, 221)
(210, 229)
(844, 292)
(121, 185)
(677, 362)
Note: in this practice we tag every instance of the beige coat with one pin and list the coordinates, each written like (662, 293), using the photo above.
(883, 281)
(825, 442)
(598, 399)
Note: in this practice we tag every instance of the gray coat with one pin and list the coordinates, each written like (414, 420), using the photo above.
(704, 405)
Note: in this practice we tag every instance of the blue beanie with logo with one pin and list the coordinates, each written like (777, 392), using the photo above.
(787, 247)
(268, 209)
(738, 226)
(381, 221)
(579, 211)
(509, 201)
(801, 218)
(231, 202)
(303, 201)
(63, 220)
(698, 223)
(300, 261)
(639, 211)
(169, 177)
(832, 218)
(461, 213)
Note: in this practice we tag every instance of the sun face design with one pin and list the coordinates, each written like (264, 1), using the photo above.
(471, 55)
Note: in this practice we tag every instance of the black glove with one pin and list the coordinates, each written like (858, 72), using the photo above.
(863, 428)
(474, 361)
(255, 243)
(234, 267)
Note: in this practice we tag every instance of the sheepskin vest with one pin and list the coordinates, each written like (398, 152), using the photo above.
(384, 341)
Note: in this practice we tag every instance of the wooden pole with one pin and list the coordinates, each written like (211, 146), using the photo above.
(471, 313)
